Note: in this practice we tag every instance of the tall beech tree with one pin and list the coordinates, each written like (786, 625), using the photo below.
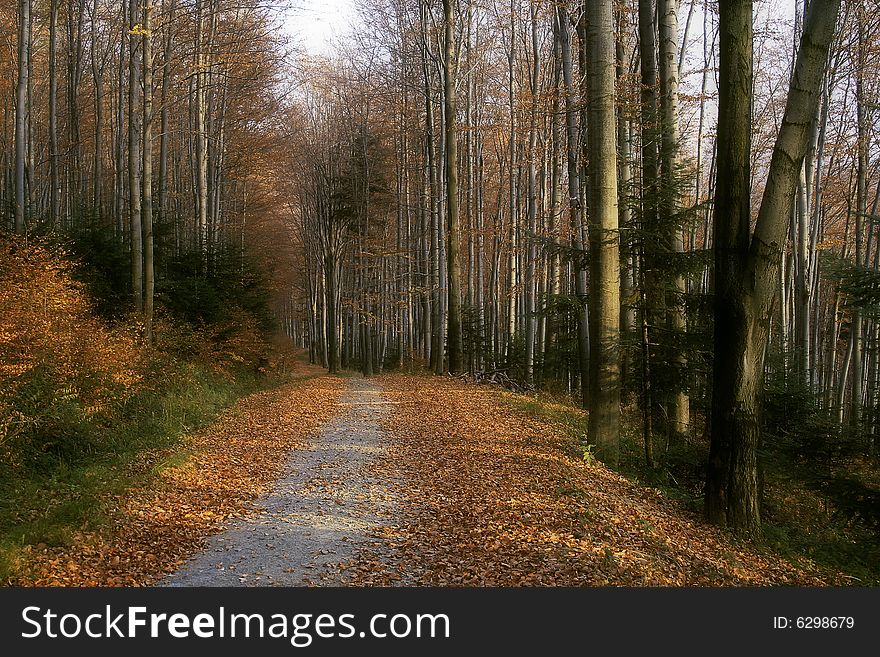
(747, 262)
(453, 236)
(604, 423)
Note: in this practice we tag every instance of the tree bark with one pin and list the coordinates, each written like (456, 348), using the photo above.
(604, 421)
(453, 268)
(747, 266)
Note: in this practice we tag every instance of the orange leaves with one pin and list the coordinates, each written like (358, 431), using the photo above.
(48, 332)
(156, 527)
(46, 319)
(491, 498)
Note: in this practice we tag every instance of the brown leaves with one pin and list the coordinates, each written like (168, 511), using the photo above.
(157, 527)
(492, 500)
(47, 323)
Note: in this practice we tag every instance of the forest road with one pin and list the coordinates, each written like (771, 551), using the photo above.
(320, 512)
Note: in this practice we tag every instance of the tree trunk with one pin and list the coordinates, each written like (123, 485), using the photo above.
(453, 287)
(604, 421)
(134, 158)
(54, 179)
(149, 277)
(201, 130)
(855, 415)
(746, 267)
(332, 334)
(679, 404)
(574, 200)
(21, 111)
(651, 298)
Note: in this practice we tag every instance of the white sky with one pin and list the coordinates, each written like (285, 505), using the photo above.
(314, 24)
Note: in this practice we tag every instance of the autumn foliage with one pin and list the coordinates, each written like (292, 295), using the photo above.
(60, 364)
(66, 372)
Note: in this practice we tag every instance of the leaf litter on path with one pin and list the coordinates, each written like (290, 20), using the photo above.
(491, 498)
(156, 527)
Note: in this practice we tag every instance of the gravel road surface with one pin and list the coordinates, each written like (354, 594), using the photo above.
(320, 513)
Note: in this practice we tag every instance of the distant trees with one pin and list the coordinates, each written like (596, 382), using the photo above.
(118, 104)
(563, 157)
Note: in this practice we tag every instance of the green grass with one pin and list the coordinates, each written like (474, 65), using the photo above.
(796, 531)
(51, 498)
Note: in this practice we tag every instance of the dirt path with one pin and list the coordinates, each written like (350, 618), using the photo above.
(412, 481)
(320, 512)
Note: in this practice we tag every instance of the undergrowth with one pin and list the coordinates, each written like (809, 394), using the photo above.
(49, 502)
(799, 522)
(87, 406)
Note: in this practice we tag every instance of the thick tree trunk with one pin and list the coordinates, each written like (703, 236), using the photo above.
(747, 267)
(604, 422)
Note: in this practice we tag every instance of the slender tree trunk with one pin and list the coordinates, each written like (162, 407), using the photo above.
(54, 179)
(332, 334)
(98, 76)
(149, 276)
(531, 255)
(201, 133)
(134, 157)
(119, 152)
(453, 285)
(162, 207)
(679, 404)
(651, 275)
(861, 257)
(574, 198)
(22, 103)
(628, 261)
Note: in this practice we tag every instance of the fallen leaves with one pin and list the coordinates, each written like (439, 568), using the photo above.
(490, 499)
(484, 496)
(157, 527)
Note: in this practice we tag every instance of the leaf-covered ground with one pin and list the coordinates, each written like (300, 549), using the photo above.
(496, 498)
(210, 478)
(485, 495)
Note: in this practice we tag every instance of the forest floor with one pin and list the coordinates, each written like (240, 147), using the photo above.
(399, 480)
